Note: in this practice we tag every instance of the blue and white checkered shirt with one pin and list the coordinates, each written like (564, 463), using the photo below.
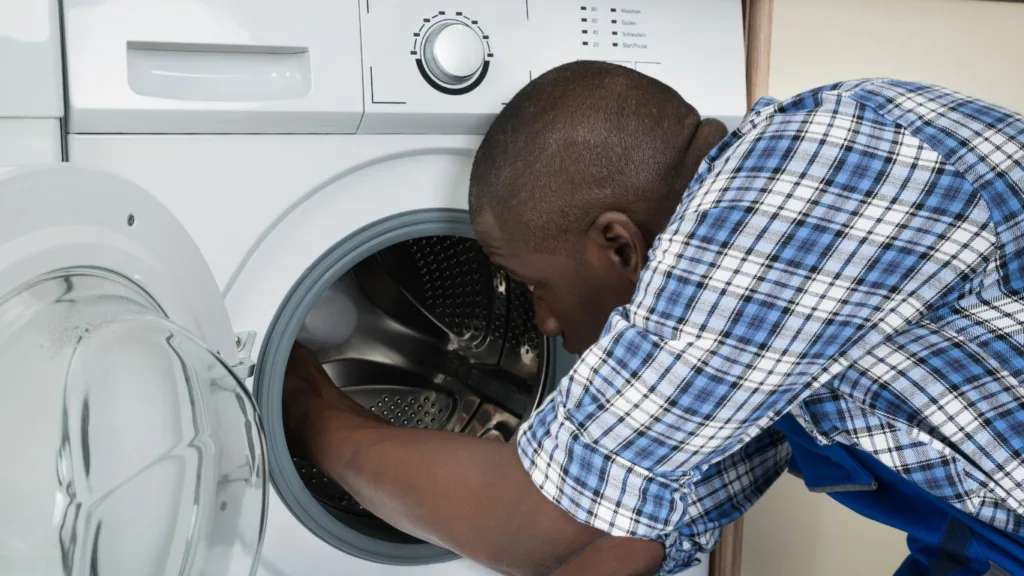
(853, 255)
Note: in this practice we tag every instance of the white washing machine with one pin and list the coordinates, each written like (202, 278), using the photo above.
(251, 174)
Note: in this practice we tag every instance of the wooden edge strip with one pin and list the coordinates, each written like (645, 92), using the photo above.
(758, 28)
(726, 558)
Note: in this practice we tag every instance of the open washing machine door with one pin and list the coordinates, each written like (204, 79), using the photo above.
(129, 444)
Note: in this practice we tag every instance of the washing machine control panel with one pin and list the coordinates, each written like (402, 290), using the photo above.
(374, 66)
(451, 67)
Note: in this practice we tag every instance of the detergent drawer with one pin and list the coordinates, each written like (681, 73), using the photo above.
(212, 66)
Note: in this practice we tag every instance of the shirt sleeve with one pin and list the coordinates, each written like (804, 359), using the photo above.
(726, 490)
(808, 239)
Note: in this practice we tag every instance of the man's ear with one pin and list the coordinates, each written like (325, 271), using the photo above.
(618, 239)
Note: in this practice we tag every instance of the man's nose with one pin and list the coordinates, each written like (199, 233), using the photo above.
(546, 321)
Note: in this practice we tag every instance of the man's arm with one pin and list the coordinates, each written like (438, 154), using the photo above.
(481, 489)
(480, 503)
(511, 527)
(616, 556)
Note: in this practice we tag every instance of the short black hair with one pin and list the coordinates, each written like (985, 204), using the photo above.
(581, 139)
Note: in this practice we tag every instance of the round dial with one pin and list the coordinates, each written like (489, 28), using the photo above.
(452, 52)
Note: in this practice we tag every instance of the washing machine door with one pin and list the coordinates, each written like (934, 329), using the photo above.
(129, 445)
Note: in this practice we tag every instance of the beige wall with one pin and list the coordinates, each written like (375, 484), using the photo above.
(792, 532)
(973, 46)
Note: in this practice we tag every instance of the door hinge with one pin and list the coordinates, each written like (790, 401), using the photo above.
(246, 366)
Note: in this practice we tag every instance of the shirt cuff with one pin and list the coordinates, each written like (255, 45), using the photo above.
(601, 489)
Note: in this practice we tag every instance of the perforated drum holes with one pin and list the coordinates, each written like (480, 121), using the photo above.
(405, 406)
(523, 333)
(326, 490)
(452, 280)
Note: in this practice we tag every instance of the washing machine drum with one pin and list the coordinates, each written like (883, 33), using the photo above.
(429, 334)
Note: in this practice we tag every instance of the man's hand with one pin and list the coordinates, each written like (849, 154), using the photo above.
(310, 400)
(304, 374)
(469, 495)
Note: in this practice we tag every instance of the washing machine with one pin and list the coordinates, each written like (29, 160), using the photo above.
(246, 175)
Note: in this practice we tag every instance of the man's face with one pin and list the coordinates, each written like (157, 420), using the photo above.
(572, 295)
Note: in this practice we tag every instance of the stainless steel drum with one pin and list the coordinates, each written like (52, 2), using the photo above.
(443, 341)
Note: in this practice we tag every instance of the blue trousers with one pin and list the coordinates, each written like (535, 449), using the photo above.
(943, 540)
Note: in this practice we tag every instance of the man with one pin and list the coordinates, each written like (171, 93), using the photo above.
(834, 287)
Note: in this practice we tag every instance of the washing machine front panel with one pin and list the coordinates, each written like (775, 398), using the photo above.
(135, 442)
(433, 178)
(341, 206)
(230, 191)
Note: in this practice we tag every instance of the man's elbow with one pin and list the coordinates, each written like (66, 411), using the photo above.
(543, 563)
(542, 553)
(603, 556)
(615, 556)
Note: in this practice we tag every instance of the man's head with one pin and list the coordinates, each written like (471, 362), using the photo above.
(575, 178)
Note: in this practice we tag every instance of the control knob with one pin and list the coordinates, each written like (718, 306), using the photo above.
(452, 52)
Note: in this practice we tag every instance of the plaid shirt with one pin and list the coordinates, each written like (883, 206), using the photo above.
(853, 255)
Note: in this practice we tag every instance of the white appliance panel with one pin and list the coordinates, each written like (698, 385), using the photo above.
(374, 66)
(236, 189)
(213, 66)
(695, 46)
(29, 141)
(31, 80)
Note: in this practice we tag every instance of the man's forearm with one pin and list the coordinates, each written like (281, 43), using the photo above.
(611, 556)
(480, 503)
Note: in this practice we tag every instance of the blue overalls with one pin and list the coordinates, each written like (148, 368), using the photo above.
(943, 541)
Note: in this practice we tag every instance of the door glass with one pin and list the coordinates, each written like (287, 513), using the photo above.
(128, 447)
